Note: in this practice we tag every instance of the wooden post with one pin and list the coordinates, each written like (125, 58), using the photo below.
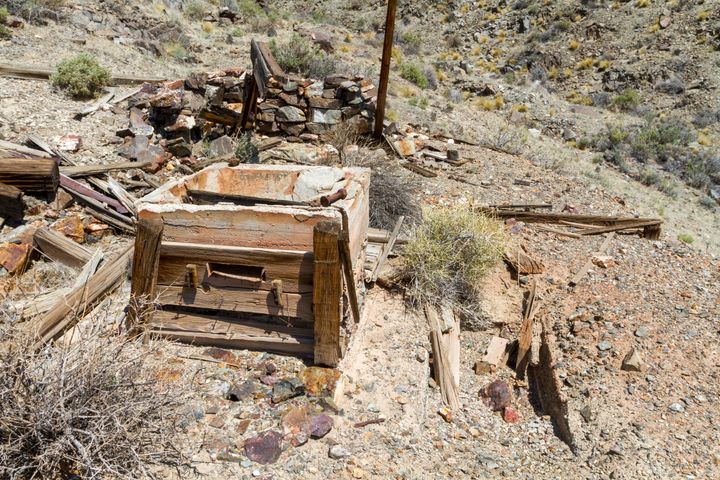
(148, 238)
(11, 202)
(385, 68)
(327, 291)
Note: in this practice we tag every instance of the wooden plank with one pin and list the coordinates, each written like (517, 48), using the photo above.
(148, 237)
(419, 170)
(378, 235)
(327, 291)
(273, 66)
(616, 228)
(75, 171)
(346, 259)
(70, 309)
(94, 107)
(588, 264)
(526, 329)
(294, 268)
(450, 340)
(203, 329)
(89, 269)
(493, 356)
(523, 263)
(441, 366)
(562, 233)
(557, 218)
(5, 145)
(61, 249)
(127, 199)
(11, 202)
(73, 187)
(282, 228)
(247, 300)
(34, 175)
(388, 248)
(36, 72)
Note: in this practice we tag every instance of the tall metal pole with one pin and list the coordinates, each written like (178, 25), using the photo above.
(385, 67)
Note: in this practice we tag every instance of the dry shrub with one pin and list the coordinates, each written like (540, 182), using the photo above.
(393, 193)
(450, 253)
(90, 409)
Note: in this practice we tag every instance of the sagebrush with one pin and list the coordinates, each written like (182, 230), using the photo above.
(81, 76)
(450, 253)
(91, 409)
(300, 56)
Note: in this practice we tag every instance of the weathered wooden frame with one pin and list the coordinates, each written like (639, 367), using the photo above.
(301, 251)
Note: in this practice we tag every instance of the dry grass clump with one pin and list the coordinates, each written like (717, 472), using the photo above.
(392, 193)
(91, 409)
(450, 253)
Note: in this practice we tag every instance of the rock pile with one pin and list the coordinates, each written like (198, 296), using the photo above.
(305, 108)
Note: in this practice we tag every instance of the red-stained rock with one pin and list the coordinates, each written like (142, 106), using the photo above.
(264, 448)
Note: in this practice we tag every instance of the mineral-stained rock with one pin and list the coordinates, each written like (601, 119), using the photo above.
(264, 448)
(221, 354)
(294, 129)
(170, 99)
(510, 415)
(296, 425)
(287, 389)
(71, 226)
(320, 425)
(14, 256)
(320, 381)
(497, 395)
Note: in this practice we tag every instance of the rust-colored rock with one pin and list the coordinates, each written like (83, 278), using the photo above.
(71, 226)
(264, 448)
(14, 256)
(320, 425)
(510, 415)
(221, 354)
(320, 381)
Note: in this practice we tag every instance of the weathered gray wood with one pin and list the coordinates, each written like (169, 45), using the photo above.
(5, 145)
(33, 175)
(238, 300)
(148, 238)
(61, 249)
(36, 72)
(388, 248)
(493, 357)
(327, 291)
(69, 309)
(75, 171)
(202, 329)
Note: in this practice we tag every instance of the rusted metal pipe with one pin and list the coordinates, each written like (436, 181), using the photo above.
(327, 200)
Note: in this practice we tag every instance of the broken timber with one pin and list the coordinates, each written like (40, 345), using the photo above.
(588, 264)
(327, 290)
(148, 237)
(445, 357)
(650, 226)
(11, 202)
(61, 249)
(74, 171)
(70, 309)
(494, 356)
(33, 175)
(387, 248)
(44, 73)
(522, 263)
(526, 329)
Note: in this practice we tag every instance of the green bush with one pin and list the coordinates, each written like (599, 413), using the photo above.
(627, 101)
(3, 14)
(413, 73)
(451, 251)
(194, 9)
(686, 238)
(648, 176)
(299, 56)
(5, 32)
(81, 76)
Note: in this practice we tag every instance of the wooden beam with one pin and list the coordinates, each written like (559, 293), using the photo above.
(559, 218)
(35, 72)
(204, 329)
(5, 145)
(387, 248)
(346, 258)
(75, 171)
(385, 68)
(148, 237)
(526, 329)
(71, 308)
(61, 249)
(204, 197)
(493, 356)
(238, 300)
(11, 202)
(327, 291)
(34, 175)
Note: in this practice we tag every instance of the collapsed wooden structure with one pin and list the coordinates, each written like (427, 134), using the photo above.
(261, 266)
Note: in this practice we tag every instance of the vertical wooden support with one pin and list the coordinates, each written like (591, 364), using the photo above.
(385, 68)
(148, 237)
(327, 291)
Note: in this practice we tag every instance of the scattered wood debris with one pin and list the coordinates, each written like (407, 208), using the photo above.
(494, 357)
